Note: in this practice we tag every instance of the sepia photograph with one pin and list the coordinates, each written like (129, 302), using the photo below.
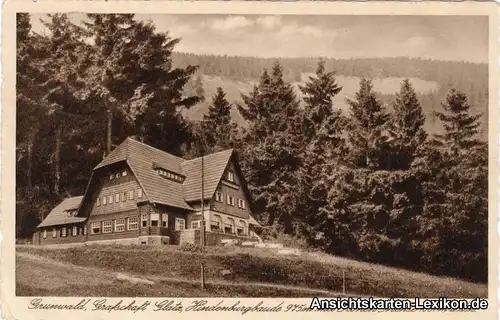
(251, 155)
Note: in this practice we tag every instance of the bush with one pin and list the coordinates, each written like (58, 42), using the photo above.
(191, 247)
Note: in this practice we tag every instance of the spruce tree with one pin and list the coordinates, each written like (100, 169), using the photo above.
(217, 125)
(273, 146)
(405, 129)
(366, 135)
(460, 126)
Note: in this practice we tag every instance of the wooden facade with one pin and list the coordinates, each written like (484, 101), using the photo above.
(118, 206)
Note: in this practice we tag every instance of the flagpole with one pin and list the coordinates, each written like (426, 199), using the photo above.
(203, 222)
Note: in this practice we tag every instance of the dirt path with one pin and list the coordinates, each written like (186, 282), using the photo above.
(69, 274)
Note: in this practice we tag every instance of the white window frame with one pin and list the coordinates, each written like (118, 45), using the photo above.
(117, 175)
(104, 201)
(110, 199)
(131, 195)
(230, 200)
(241, 203)
(74, 232)
(98, 201)
(219, 197)
(85, 230)
(133, 223)
(230, 176)
(117, 198)
(164, 220)
(124, 173)
(54, 232)
(95, 225)
(180, 222)
(154, 217)
(119, 225)
(241, 225)
(111, 176)
(144, 217)
(139, 193)
(64, 232)
(123, 196)
(195, 224)
(216, 220)
(107, 226)
(44, 234)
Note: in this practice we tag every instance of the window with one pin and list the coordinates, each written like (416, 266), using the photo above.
(107, 226)
(124, 196)
(230, 176)
(133, 223)
(144, 220)
(104, 200)
(117, 175)
(95, 228)
(131, 195)
(54, 233)
(75, 231)
(110, 199)
(240, 229)
(45, 233)
(215, 223)
(98, 201)
(164, 220)
(155, 219)
(218, 196)
(195, 224)
(228, 228)
(119, 225)
(230, 200)
(124, 173)
(180, 224)
(85, 230)
(63, 232)
(111, 176)
(241, 203)
(139, 193)
(117, 197)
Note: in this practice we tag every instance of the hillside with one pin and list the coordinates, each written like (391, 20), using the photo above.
(431, 79)
(256, 272)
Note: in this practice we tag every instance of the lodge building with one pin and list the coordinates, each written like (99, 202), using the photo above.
(141, 195)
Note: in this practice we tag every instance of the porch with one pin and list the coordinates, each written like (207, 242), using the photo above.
(211, 238)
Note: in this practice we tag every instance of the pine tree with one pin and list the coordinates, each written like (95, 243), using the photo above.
(217, 124)
(273, 147)
(460, 126)
(406, 127)
(323, 128)
(366, 135)
(131, 71)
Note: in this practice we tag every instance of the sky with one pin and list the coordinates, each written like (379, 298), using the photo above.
(453, 38)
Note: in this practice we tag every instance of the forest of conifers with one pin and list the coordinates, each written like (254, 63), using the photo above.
(369, 184)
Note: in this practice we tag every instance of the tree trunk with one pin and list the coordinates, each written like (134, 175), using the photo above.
(110, 126)
(29, 182)
(57, 159)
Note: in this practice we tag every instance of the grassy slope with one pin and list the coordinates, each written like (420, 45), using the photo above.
(315, 271)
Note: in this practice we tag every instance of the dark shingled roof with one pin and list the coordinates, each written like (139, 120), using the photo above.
(59, 215)
(142, 158)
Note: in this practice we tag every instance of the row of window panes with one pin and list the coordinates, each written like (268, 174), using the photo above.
(169, 175)
(64, 232)
(132, 223)
(230, 176)
(117, 175)
(123, 196)
(230, 200)
(215, 225)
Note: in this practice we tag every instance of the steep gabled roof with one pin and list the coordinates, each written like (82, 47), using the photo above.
(214, 166)
(59, 216)
(142, 159)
